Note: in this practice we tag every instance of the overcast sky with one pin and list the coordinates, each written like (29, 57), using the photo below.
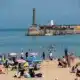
(18, 13)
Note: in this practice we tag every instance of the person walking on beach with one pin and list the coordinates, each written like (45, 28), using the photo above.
(43, 56)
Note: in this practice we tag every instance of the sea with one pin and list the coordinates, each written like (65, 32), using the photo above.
(14, 40)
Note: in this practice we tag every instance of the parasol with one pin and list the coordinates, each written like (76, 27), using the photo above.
(13, 54)
(33, 54)
(20, 61)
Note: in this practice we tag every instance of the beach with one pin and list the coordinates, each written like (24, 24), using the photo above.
(49, 70)
(13, 41)
(45, 57)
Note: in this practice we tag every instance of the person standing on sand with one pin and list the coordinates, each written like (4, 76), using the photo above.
(26, 54)
(22, 54)
(67, 57)
(50, 56)
(43, 56)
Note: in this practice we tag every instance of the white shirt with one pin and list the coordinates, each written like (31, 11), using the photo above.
(22, 54)
(50, 54)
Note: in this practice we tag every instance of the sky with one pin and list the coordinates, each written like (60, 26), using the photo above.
(18, 13)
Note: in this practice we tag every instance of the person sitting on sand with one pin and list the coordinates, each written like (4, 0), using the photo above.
(20, 71)
(31, 72)
(73, 70)
(59, 62)
(64, 60)
(14, 65)
(62, 63)
(78, 71)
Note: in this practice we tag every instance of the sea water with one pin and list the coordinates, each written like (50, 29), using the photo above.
(15, 40)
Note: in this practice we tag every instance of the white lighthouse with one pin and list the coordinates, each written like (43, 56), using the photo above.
(51, 22)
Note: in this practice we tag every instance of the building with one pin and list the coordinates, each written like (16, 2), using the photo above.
(77, 29)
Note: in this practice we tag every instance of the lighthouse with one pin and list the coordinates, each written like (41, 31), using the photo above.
(52, 23)
(34, 18)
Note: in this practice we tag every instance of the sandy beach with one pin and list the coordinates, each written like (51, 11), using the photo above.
(50, 71)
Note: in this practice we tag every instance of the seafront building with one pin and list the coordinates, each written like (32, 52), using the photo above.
(77, 29)
(56, 30)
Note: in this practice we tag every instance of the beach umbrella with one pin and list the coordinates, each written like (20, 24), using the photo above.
(13, 54)
(33, 54)
(33, 59)
(20, 61)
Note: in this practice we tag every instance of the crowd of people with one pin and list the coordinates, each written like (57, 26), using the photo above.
(29, 71)
(26, 69)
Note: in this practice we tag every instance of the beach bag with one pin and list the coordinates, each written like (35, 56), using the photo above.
(27, 75)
